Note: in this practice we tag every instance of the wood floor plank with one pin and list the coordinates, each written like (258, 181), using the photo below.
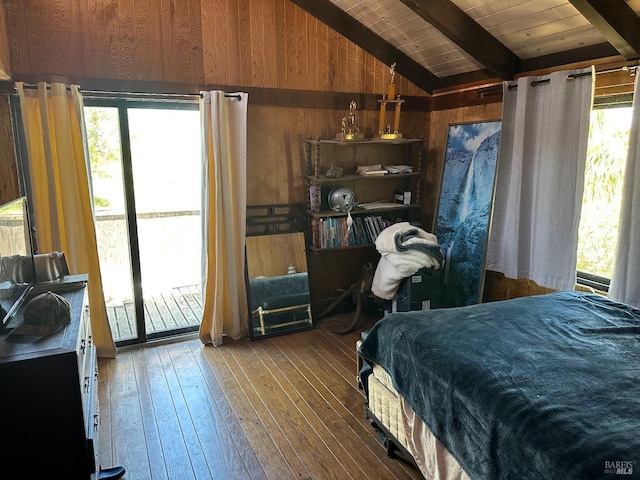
(275, 452)
(329, 422)
(293, 413)
(326, 375)
(174, 446)
(344, 365)
(275, 404)
(237, 439)
(222, 457)
(155, 459)
(339, 393)
(105, 447)
(128, 435)
(194, 448)
(280, 408)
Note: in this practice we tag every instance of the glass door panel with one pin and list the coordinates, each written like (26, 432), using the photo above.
(165, 158)
(112, 228)
(145, 173)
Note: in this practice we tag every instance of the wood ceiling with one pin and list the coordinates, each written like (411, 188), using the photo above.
(445, 43)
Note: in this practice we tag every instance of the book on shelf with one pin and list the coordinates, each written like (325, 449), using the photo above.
(371, 170)
(368, 168)
(314, 202)
(398, 168)
(333, 232)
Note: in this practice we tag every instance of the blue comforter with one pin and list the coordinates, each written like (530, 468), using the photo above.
(544, 387)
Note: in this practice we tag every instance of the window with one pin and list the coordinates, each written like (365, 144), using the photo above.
(604, 175)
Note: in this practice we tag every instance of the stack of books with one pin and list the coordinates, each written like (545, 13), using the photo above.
(371, 170)
(398, 168)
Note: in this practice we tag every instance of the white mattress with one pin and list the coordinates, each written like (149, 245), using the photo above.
(384, 403)
(433, 460)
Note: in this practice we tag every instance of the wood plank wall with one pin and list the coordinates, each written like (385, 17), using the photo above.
(9, 187)
(5, 67)
(275, 150)
(271, 44)
(259, 43)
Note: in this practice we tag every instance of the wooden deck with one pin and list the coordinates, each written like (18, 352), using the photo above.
(179, 308)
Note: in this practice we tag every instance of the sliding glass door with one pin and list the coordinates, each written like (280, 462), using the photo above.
(145, 171)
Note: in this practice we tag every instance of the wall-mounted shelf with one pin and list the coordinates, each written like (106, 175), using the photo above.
(357, 177)
(363, 211)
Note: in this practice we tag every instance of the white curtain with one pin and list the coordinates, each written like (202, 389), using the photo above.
(224, 198)
(53, 123)
(540, 178)
(625, 284)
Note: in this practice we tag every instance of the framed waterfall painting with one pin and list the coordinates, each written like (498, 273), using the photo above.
(464, 209)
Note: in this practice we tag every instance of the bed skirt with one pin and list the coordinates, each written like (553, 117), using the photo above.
(396, 416)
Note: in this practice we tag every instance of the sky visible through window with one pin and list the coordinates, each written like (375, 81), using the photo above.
(166, 162)
(163, 146)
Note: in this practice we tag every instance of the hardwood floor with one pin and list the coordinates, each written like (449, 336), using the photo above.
(280, 408)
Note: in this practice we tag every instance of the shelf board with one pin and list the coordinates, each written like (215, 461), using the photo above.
(357, 176)
(367, 141)
(362, 211)
(348, 247)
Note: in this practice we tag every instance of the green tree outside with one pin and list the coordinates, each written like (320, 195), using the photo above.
(103, 140)
(606, 157)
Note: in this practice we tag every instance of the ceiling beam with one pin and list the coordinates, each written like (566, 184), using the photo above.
(462, 30)
(589, 53)
(617, 22)
(356, 32)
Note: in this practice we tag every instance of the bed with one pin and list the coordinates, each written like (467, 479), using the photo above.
(539, 387)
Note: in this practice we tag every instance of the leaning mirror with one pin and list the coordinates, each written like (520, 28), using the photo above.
(277, 279)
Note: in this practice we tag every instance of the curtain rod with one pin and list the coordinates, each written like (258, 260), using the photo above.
(156, 96)
(573, 76)
(535, 83)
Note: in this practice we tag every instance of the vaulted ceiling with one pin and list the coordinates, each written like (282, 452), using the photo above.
(444, 43)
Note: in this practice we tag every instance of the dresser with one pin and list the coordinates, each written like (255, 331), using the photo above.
(49, 393)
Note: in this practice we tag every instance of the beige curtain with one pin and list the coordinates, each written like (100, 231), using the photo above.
(224, 199)
(625, 284)
(53, 123)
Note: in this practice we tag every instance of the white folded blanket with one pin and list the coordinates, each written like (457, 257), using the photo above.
(404, 250)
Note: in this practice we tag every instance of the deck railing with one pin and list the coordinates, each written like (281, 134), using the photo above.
(170, 264)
